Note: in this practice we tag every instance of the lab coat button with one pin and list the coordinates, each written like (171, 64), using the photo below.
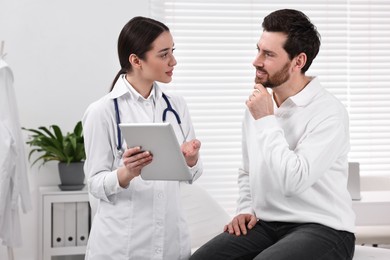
(157, 250)
(161, 195)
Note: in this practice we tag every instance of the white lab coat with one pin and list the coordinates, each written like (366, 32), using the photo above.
(13, 165)
(144, 220)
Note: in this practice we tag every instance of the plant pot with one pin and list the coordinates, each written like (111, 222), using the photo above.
(71, 175)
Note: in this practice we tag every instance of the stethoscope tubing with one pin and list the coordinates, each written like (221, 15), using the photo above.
(164, 117)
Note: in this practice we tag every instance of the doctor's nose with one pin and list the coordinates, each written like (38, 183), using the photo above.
(173, 61)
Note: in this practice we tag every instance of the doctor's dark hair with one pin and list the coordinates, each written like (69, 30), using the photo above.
(136, 38)
(302, 35)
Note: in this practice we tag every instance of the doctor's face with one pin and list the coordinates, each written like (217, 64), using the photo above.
(159, 61)
(272, 62)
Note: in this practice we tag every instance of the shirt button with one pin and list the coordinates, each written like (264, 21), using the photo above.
(157, 250)
(161, 195)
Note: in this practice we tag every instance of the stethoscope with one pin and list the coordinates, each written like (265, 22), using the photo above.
(164, 117)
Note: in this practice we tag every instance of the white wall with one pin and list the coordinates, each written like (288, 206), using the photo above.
(63, 55)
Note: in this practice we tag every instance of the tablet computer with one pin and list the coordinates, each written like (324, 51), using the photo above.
(160, 140)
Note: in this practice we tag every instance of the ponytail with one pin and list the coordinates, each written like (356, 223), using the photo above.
(122, 71)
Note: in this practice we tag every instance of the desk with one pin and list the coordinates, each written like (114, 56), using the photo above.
(373, 209)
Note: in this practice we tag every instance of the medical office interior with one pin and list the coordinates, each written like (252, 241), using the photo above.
(62, 55)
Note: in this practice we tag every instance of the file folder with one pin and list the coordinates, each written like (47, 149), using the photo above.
(58, 224)
(82, 223)
(70, 223)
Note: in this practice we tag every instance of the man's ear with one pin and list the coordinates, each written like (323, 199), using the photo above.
(134, 61)
(300, 61)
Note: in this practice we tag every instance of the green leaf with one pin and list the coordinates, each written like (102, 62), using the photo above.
(52, 145)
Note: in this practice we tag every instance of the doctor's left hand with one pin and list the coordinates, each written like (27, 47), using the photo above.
(190, 151)
(134, 159)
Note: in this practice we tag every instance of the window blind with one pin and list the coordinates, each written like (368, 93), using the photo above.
(215, 43)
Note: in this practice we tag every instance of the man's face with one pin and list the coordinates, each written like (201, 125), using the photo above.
(272, 63)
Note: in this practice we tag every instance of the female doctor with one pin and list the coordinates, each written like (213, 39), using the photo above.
(137, 219)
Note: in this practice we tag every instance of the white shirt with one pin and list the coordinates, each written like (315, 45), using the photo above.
(14, 187)
(144, 220)
(295, 164)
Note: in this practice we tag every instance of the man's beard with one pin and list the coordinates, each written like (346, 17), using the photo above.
(277, 79)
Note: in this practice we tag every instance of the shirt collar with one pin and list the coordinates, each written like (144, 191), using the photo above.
(305, 96)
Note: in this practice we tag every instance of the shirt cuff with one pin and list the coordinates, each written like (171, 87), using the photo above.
(266, 122)
(246, 211)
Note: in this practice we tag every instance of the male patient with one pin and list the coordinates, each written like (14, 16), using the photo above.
(293, 198)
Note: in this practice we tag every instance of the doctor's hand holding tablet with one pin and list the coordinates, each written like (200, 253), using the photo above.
(154, 153)
(134, 159)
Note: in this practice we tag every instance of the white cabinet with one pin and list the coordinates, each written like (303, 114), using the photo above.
(50, 196)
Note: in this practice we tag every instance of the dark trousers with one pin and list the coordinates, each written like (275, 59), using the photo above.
(280, 241)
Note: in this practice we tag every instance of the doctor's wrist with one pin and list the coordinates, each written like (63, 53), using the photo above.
(124, 176)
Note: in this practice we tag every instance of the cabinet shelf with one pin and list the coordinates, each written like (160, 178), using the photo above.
(67, 250)
(49, 195)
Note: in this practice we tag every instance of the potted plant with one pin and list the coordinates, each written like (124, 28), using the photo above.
(68, 150)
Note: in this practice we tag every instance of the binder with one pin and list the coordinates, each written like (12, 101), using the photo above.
(70, 223)
(82, 223)
(58, 224)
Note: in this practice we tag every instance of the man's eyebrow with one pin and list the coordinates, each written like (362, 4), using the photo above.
(269, 52)
(265, 50)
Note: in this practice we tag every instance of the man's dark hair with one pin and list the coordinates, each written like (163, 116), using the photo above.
(302, 35)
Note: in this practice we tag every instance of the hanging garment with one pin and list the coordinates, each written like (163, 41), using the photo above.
(14, 185)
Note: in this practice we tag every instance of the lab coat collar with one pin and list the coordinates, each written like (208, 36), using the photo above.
(123, 87)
